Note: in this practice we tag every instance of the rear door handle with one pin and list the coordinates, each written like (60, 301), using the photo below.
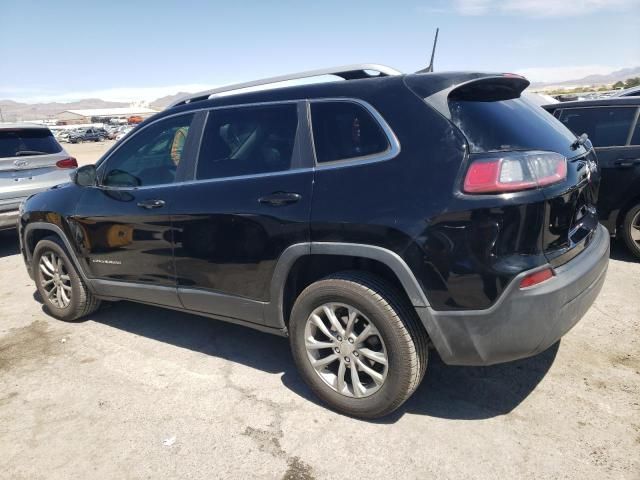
(149, 204)
(627, 162)
(278, 199)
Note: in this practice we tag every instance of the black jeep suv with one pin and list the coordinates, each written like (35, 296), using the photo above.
(363, 218)
(613, 126)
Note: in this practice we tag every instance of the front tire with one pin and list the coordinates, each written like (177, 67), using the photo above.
(61, 288)
(358, 344)
(631, 230)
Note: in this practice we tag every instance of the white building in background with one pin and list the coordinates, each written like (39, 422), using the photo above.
(103, 115)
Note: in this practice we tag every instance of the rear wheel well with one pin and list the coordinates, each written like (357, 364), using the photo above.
(311, 268)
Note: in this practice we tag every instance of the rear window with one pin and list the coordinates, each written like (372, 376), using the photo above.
(27, 141)
(606, 126)
(345, 130)
(516, 124)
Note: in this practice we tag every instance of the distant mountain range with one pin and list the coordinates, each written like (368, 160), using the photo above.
(605, 79)
(16, 111)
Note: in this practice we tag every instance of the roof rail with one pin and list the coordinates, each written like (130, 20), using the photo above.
(348, 72)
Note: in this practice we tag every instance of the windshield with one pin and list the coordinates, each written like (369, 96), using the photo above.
(27, 141)
(516, 124)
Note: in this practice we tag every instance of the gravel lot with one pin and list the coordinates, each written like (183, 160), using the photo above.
(140, 392)
(89, 152)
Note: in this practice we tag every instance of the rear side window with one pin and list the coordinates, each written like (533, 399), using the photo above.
(248, 140)
(606, 126)
(344, 130)
(27, 141)
(516, 124)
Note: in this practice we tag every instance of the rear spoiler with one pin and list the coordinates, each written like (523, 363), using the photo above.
(485, 88)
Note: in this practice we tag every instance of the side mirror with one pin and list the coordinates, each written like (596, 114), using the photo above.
(85, 176)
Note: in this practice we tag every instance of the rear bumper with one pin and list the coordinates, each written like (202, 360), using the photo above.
(523, 322)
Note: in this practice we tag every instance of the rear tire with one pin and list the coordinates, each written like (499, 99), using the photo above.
(63, 292)
(631, 230)
(386, 344)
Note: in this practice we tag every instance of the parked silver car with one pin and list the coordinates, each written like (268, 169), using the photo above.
(31, 160)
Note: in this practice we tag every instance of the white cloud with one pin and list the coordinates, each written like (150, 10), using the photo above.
(541, 8)
(473, 7)
(561, 74)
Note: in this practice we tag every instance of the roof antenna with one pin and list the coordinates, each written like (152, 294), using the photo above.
(433, 53)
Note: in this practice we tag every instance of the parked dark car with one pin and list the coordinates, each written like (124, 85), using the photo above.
(612, 126)
(363, 219)
(87, 135)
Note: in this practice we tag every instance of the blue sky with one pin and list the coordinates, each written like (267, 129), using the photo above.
(122, 50)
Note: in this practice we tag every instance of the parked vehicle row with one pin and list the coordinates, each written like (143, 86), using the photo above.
(363, 219)
(80, 135)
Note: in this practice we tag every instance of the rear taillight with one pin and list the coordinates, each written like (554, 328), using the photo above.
(514, 171)
(67, 163)
(536, 278)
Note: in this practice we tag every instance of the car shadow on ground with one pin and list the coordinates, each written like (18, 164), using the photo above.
(9, 243)
(446, 391)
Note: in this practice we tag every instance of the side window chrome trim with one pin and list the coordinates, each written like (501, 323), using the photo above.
(392, 150)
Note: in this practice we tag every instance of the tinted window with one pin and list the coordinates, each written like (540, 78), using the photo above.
(248, 140)
(27, 141)
(343, 130)
(515, 124)
(606, 126)
(150, 157)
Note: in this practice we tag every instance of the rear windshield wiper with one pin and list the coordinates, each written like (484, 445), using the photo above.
(23, 153)
(580, 141)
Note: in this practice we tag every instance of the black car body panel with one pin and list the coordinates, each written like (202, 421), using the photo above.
(239, 247)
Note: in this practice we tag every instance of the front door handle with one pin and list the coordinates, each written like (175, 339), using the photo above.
(627, 162)
(278, 199)
(149, 204)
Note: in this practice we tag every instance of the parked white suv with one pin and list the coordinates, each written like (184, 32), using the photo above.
(31, 160)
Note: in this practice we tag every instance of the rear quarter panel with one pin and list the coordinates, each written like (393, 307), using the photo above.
(463, 250)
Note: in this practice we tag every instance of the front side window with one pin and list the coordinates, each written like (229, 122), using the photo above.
(150, 157)
(344, 130)
(606, 126)
(248, 140)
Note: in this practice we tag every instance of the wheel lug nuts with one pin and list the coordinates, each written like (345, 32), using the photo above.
(347, 359)
(351, 340)
(337, 350)
(356, 354)
(339, 338)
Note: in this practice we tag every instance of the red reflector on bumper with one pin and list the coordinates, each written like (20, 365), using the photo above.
(536, 278)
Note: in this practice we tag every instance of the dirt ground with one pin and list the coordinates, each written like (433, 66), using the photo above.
(89, 152)
(140, 392)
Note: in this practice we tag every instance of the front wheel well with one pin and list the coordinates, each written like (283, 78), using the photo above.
(34, 236)
(311, 268)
